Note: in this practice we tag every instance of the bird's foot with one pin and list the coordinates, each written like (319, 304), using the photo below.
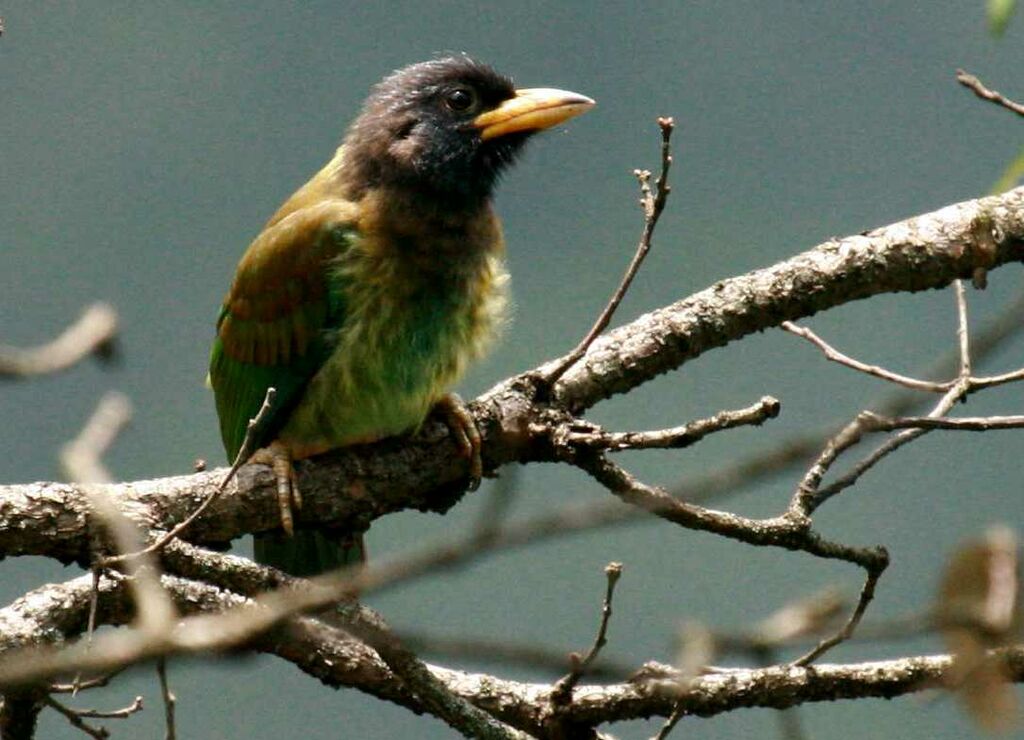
(467, 436)
(278, 457)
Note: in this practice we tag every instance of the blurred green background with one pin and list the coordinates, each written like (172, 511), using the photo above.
(142, 145)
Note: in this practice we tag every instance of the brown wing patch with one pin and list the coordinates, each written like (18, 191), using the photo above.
(277, 302)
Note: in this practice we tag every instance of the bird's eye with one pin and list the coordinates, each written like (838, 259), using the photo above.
(460, 99)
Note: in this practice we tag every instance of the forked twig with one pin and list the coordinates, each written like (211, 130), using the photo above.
(653, 204)
(673, 437)
(562, 692)
(77, 717)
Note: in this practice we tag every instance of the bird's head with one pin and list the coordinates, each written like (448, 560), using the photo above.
(447, 128)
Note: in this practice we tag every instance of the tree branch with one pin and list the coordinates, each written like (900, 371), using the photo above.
(426, 473)
(93, 333)
(338, 660)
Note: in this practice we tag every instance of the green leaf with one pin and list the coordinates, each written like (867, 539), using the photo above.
(999, 13)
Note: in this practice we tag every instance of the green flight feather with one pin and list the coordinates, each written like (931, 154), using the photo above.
(287, 303)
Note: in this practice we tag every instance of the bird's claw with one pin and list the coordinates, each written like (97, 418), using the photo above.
(466, 433)
(279, 458)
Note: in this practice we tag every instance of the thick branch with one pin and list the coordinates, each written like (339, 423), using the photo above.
(923, 252)
(352, 487)
(338, 660)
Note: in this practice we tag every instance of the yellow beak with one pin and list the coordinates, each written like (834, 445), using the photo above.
(534, 109)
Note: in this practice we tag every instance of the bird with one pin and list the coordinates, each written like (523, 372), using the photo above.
(369, 291)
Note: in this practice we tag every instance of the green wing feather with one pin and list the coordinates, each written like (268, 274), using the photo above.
(274, 329)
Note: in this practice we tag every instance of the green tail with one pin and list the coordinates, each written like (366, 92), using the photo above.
(308, 552)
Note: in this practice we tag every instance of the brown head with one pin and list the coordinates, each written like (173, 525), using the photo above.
(445, 129)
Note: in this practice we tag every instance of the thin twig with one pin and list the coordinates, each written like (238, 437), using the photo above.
(867, 593)
(675, 437)
(169, 699)
(835, 355)
(124, 712)
(872, 422)
(505, 652)
(666, 729)
(244, 453)
(91, 626)
(653, 204)
(100, 733)
(82, 460)
(962, 329)
(85, 684)
(988, 381)
(978, 88)
(93, 333)
(815, 496)
(562, 692)
(809, 496)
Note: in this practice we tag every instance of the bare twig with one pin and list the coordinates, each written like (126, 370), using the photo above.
(978, 88)
(815, 496)
(91, 626)
(675, 437)
(963, 335)
(653, 204)
(562, 692)
(835, 355)
(75, 719)
(80, 684)
(244, 453)
(169, 699)
(505, 652)
(671, 722)
(867, 593)
(791, 530)
(82, 458)
(93, 333)
(875, 423)
(124, 712)
(809, 495)
(963, 353)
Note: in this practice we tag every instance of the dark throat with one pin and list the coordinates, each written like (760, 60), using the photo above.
(439, 237)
